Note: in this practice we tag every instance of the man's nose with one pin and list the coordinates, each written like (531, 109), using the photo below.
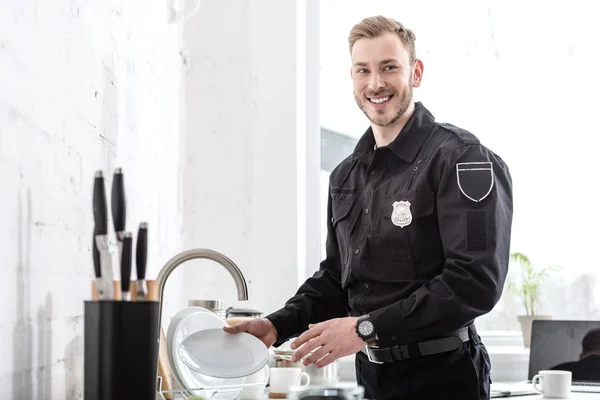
(375, 82)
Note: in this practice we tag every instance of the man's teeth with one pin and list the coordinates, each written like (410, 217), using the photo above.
(381, 100)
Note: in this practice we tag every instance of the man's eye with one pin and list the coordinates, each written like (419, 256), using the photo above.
(389, 67)
(362, 71)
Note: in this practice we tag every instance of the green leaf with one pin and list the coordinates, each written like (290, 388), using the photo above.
(529, 286)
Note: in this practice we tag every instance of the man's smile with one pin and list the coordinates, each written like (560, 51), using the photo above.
(380, 101)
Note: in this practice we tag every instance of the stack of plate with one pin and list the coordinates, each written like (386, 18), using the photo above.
(208, 360)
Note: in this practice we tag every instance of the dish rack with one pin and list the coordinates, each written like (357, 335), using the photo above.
(214, 392)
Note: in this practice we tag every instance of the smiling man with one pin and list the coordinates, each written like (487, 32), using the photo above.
(419, 224)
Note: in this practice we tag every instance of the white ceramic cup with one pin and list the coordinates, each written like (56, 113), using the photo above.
(254, 386)
(284, 378)
(554, 384)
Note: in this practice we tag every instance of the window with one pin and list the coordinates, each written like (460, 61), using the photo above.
(530, 94)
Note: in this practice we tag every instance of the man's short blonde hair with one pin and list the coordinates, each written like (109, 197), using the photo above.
(378, 25)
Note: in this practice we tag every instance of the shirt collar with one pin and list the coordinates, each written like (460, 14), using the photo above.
(408, 142)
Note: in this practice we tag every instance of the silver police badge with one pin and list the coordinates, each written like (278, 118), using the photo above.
(401, 216)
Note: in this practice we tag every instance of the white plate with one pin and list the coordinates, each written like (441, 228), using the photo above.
(171, 333)
(217, 353)
(184, 324)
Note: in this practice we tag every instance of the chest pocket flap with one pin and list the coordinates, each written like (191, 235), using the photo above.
(342, 200)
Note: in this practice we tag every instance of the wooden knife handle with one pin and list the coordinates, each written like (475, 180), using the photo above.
(277, 395)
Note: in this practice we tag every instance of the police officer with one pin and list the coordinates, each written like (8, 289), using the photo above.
(419, 224)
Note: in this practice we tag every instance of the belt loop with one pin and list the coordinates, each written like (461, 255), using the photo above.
(473, 334)
(413, 350)
(396, 353)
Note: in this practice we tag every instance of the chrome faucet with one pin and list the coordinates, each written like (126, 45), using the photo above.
(177, 260)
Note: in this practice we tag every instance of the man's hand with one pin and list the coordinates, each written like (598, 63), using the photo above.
(336, 338)
(262, 328)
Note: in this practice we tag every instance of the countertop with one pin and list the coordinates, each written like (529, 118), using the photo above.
(573, 396)
(526, 387)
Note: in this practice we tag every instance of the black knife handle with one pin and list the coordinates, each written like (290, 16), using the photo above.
(126, 262)
(99, 204)
(96, 256)
(118, 202)
(141, 251)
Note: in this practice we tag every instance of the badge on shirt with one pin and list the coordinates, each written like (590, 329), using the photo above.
(401, 216)
(475, 179)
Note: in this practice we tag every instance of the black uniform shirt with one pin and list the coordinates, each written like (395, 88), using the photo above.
(418, 236)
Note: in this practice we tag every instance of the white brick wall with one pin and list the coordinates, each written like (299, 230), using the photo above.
(83, 85)
(241, 185)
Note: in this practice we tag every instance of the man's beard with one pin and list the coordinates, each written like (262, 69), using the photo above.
(382, 120)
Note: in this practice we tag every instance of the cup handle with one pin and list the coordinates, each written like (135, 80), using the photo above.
(305, 376)
(267, 373)
(534, 382)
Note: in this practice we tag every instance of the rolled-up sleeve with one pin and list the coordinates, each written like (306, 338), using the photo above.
(474, 208)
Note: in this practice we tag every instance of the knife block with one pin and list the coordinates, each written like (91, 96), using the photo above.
(152, 286)
(120, 351)
(164, 368)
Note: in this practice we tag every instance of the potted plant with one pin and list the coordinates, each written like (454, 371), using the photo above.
(527, 289)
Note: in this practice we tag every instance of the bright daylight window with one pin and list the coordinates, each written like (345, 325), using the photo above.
(529, 94)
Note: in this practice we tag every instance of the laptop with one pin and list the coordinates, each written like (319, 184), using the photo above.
(557, 344)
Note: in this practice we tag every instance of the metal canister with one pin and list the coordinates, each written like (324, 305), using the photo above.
(243, 312)
(216, 306)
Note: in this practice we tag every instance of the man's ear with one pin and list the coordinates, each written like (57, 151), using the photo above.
(418, 73)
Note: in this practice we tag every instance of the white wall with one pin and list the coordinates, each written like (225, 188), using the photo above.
(83, 86)
(241, 177)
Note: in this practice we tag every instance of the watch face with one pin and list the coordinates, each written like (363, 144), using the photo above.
(365, 328)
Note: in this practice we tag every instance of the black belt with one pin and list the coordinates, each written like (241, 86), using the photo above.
(428, 347)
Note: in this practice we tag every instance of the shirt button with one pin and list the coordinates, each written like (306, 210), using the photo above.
(367, 210)
(356, 251)
(372, 172)
(331, 219)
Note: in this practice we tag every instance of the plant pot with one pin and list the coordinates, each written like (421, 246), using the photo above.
(526, 321)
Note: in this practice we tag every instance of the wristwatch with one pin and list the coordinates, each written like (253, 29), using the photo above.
(366, 330)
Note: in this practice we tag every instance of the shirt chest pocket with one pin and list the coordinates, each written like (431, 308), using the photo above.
(342, 200)
(408, 230)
